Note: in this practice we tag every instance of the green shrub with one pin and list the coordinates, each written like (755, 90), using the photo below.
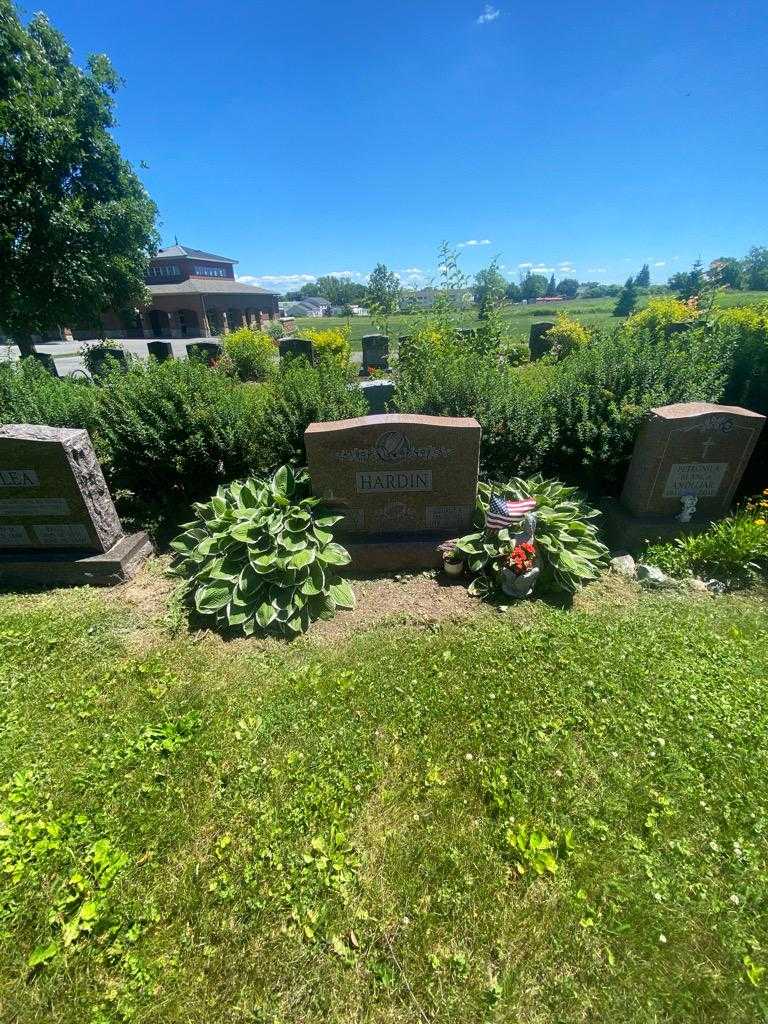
(733, 550)
(332, 343)
(249, 354)
(301, 394)
(260, 556)
(576, 419)
(30, 394)
(602, 392)
(744, 330)
(566, 336)
(659, 314)
(567, 540)
(274, 329)
(170, 432)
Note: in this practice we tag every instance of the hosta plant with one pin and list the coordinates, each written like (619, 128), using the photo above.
(260, 556)
(566, 537)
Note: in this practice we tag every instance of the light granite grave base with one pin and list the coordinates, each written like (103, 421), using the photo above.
(627, 532)
(66, 568)
(392, 553)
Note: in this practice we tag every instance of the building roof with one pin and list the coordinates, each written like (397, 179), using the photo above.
(175, 251)
(208, 286)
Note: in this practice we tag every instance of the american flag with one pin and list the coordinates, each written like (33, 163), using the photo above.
(501, 512)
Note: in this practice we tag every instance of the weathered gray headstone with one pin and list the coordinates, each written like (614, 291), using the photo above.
(375, 352)
(402, 482)
(687, 462)
(57, 519)
(46, 361)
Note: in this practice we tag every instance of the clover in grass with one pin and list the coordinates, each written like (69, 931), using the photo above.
(260, 556)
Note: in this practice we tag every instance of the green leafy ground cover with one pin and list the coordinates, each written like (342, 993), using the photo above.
(590, 312)
(548, 815)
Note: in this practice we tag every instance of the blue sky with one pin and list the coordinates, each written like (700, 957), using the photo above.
(310, 138)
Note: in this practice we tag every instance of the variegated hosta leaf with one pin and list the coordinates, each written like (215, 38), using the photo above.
(254, 556)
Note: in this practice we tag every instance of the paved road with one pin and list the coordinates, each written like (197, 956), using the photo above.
(67, 361)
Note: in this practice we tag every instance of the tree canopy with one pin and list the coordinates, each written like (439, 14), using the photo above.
(384, 289)
(489, 290)
(627, 299)
(77, 227)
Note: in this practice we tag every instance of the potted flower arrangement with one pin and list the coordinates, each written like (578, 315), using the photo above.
(453, 559)
(519, 570)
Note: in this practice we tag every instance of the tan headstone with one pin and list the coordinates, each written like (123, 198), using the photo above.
(694, 449)
(397, 474)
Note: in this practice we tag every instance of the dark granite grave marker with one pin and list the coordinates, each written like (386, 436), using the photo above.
(205, 351)
(294, 347)
(375, 352)
(687, 462)
(161, 350)
(537, 339)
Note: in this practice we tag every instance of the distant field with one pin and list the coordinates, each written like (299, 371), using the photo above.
(590, 312)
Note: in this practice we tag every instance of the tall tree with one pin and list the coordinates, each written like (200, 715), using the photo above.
(489, 290)
(76, 225)
(726, 271)
(384, 289)
(687, 284)
(643, 279)
(756, 268)
(551, 287)
(627, 299)
(533, 286)
(568, 287)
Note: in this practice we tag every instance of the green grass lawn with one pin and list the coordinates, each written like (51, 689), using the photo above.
(353, 831)
(591, 312)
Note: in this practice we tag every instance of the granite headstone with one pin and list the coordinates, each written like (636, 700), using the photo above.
(687, 462)
(402, 482)
(57, 519)
(375, 352)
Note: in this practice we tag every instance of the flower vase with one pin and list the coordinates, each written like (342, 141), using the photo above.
(519, 585)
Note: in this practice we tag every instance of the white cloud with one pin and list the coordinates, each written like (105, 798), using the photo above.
(345, 273)
(473, 241)
(566, 264)
(524, 266)
(660, 263)
(541, 269)
(277, 279)
(490, 13)
(412, 270)
(597, 270)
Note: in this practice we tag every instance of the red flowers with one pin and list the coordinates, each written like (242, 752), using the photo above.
(520, 559)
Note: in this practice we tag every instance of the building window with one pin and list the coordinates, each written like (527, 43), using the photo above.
(164, 270)
(210, 272)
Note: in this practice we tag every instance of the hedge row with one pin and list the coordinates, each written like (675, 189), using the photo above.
(168, 434)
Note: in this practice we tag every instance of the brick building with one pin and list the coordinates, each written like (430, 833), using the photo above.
(193, 294)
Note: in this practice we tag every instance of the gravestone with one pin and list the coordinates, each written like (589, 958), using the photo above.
(58, 523)
(103, 360)
(294, 347)
(537, 339)
(404, 483)
(205, 351)
(375, 352)
(687, 462)
(377, 393)
(45, 360)
(161, 350)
